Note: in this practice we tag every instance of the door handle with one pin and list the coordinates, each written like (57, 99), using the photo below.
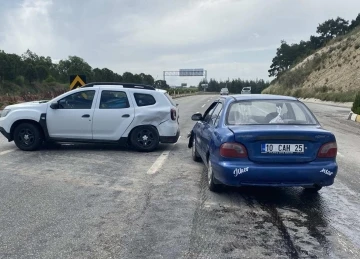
(85, 116)
(126, 116)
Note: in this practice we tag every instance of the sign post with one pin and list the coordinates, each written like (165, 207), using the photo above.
(77, 81)
(205, 86)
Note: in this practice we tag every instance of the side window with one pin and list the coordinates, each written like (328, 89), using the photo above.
(144, 99)
(298, 113)
(79, 100)
(209, 112)
(113, 100)
(216, 114)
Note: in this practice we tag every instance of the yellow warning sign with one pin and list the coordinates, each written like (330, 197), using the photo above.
(77, 81)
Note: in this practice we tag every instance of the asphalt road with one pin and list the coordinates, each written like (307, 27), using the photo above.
(94, 201)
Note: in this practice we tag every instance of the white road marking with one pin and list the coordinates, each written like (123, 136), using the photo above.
(340, 155)
(203, 105)
(7, 152)
(158, 163)
(156, 166)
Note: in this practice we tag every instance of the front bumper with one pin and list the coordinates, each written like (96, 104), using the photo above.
(251, 174)
(6, 135)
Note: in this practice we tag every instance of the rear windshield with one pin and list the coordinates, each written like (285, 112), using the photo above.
(269, 112)
(224, 89)
(246, 88)
(170, 99)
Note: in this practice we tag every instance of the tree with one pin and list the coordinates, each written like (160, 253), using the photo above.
(30, 73)
(128, 77)
(355, 23)
(73, 66)
(285, 56)
(332, 28)
(42, 72)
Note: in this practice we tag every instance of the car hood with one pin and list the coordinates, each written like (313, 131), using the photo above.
(27, 104)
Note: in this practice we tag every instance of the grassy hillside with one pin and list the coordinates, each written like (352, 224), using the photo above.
(330, 74)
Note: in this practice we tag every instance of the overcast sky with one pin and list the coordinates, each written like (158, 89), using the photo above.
(228, 38)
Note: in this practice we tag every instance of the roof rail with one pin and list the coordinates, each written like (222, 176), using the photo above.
(124, 85)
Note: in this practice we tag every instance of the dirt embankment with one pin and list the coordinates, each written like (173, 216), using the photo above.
(330, 74)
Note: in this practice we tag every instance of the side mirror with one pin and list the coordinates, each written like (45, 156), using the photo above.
(54, 106)
(196, 117)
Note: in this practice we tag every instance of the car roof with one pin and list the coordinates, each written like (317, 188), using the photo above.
(120, 85)
(242, 97)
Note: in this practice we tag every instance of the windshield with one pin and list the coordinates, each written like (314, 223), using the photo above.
(246, 88)
(269, 112)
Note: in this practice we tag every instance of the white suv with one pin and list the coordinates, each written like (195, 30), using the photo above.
(116, 113)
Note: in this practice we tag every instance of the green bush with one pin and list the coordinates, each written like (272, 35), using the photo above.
(356, 104)
(20, 80)
(50, 79)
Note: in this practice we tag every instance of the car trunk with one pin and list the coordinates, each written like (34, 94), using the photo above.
(281, 143)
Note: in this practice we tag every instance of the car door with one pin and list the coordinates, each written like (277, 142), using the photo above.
(113, 114)
(209, 127)
(73, 117)
(202, 124)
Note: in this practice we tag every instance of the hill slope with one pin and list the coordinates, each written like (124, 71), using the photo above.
(330, 74)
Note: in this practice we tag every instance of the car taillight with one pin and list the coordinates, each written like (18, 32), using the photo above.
(328, 150)
(233, 150)
(173, 114)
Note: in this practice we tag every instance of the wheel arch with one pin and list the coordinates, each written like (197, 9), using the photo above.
(18, 122)
(139, 126)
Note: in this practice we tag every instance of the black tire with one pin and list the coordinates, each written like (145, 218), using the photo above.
(211, 180)
(144, 138)
(195, 155)
(28, 137)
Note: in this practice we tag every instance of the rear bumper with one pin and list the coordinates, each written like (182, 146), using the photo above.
(251, 174)
(6, 135)
(170, 139)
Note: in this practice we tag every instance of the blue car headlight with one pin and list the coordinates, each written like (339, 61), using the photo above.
(4, 113)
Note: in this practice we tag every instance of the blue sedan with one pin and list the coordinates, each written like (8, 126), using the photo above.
(263, 140)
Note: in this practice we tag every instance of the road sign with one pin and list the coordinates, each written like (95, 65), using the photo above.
(191, 72)
(77, 81)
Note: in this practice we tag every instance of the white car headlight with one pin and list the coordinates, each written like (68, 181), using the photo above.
(4, 112)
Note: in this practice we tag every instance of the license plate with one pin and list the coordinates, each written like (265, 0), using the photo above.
(282, 148)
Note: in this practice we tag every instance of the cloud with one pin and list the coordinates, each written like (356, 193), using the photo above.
(229, 38)
(28, 26)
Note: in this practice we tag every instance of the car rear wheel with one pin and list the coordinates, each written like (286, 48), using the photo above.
(195, 155)
(28, 137)
(145, 139)
(211, 180)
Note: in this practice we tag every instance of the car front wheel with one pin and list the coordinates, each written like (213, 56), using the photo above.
(28, 137)
(145, 138)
